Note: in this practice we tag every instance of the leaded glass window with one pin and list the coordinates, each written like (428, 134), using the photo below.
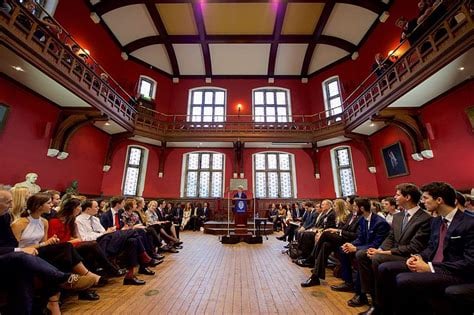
(207, 105)
(332, 97)
(133, 171)
(271, 105)
(273, 175)
(204, 172)
(344, 171)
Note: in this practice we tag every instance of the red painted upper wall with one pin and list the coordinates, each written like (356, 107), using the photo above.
(452, 143)
(25, 143)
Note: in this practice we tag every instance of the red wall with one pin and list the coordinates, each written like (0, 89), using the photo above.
(451, 147)
(24, 145)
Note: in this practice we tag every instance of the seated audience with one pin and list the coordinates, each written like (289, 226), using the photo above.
(448, 259)
(195, 214)
(188, 209)
(372, 231)
(390, 208)
(153, 221)
(205, 213)
(19, 267)
(20, 195)
(408, 235)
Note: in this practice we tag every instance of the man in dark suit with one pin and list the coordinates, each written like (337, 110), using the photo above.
(113, 216)
(326, 219)
(409, 235)
(329, 241)
(373, 229)
(240, 194)
(448, 259)
(205, 213)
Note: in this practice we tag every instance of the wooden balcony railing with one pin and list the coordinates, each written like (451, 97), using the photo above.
(443, 42)
(298, 127)
(50, 51)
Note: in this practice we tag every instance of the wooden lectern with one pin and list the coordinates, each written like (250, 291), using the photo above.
(240, 216)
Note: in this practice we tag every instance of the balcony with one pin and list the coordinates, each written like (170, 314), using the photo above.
(24, 37)
(25, 40)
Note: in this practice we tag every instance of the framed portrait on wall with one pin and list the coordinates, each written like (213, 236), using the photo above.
(4, 109)
(394, 160)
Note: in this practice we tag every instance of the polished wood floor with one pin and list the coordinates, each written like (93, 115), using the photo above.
(207, 277)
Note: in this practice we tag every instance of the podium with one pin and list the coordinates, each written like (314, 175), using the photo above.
(240, 217)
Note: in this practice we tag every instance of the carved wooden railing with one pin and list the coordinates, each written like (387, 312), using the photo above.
(51, 52)
(296, 127)
(448, 38)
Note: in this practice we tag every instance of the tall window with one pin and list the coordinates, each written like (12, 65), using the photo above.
(271, 105)
(207, 105)
(274, 176)
(147, 87)
(203, 175)
(134, 175)
(344, 180)
(332, 97)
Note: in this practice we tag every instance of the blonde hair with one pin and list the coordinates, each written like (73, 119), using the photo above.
(341, 210)
(152, 202)
(19, 197)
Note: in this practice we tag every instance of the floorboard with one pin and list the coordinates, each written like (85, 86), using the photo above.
(207, 277)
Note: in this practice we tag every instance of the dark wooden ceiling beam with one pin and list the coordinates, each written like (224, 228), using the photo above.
(156, 18)
(280, 17)
(197, 11)
(323, 19)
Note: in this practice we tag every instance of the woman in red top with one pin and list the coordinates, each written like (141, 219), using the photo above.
(64, 227)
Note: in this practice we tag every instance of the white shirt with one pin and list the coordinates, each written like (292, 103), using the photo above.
(89, 227)
(389, 217)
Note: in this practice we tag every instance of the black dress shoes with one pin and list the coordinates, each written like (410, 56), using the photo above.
(304, 263)
(371, 311)
(133, 281)
(117, 272)
(358, 300)
(311, 282)
(146, 271)
(102, 281)
(154, 262)
(345, 287)
(88, 296)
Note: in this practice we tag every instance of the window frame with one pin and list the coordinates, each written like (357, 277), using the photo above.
(184, 174)
(328, 98)
(152, 90)
(275, 90)
(141, 169)
(292, 172)
(336, 169)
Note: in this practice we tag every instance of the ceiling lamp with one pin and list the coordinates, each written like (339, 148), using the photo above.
(95, 18)
(384, 16)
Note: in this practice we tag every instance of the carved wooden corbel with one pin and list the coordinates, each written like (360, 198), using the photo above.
(410, 122)
(69, 122)
(238, 167)
(363, 143)
(115, 140)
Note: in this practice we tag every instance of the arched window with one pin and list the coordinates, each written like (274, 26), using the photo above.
(271, 105)
(274, 175)
(203, 175)
(135, 170)
(147, 87)
(343, 172)
(207, 105)
(332, 97)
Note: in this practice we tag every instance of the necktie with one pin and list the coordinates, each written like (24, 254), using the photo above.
(117, 221)
(405, 221)
(92, 224)
(443, 229)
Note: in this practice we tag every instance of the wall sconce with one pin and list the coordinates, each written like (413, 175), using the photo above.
(417, 157)
(317, 176)
(124, 55)
(106, 168)
(242, 175)
(95, 18)
(160, 174)
(52, 152)
(234, 175)
(62, 155)
(384, 16)
(427, 154)
(372, 169)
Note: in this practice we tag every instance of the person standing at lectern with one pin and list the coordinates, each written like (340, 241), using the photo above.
(240, 193)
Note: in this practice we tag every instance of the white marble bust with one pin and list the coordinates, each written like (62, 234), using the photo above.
(30, 183)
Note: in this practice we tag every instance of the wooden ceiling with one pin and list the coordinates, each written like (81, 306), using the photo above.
(222, 38)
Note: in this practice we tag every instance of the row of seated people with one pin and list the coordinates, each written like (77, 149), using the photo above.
(190, 218)
(79, 248)
(281, 215)
(417, 262)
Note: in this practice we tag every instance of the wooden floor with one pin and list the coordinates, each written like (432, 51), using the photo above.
(207, 277)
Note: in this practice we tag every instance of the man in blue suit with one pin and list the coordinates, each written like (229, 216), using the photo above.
(419, 283)
(373, 229)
